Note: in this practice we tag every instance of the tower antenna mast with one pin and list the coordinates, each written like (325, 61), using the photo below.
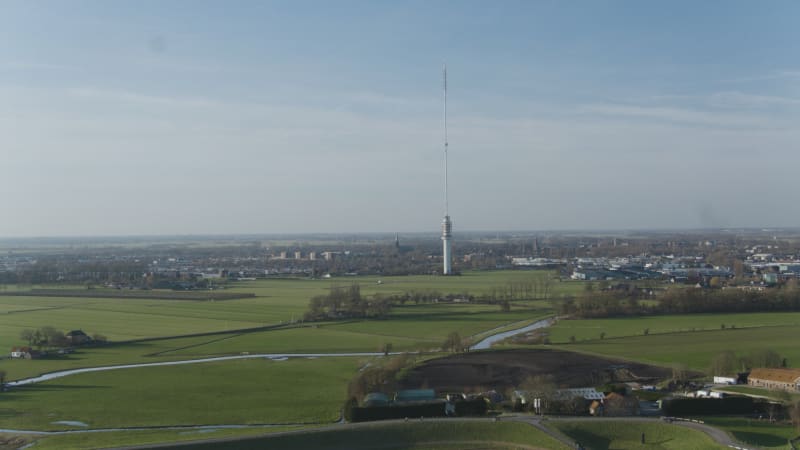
(444, 79)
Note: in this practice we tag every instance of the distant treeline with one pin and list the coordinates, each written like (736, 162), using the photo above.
(681, 301)
(347, 303)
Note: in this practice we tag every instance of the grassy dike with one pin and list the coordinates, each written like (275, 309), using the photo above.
(406, 436)
(627, 435)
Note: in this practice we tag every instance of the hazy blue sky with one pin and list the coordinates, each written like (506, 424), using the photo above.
(189, 117)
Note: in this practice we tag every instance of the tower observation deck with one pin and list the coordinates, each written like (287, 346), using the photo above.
(447, 233)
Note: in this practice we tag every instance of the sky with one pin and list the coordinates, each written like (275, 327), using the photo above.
(211, 117)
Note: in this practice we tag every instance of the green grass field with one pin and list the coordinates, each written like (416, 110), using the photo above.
(125, 319)
(407, 436)
(305, 390)
(233, 392)
(590, 329)
(692, 339)
(759, 433)
(410, 327)
(603, 435)
(277, 301)
(136, 352)
(424, 329)
(83, 441)
(696, 349)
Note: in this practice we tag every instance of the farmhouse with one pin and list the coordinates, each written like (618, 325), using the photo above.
(784, 379)
(78, 337)
(24, 352)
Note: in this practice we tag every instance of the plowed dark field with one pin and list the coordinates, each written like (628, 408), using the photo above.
(499, 370)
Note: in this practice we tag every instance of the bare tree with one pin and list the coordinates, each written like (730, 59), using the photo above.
(724, 363)
(794, 413)
(542, 387)
(453, 343)
(679, 373)
(547, 284)
(28, 335)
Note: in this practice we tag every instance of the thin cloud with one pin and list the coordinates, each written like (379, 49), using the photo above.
(32, 65)
(739, 99)
(775, 75)
(681, 115)
(134, 97)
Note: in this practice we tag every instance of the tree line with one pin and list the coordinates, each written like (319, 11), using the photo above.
(347, 303)
(728, 363)
(681, 301)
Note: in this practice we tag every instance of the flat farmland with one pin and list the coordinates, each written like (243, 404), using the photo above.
(434, 322)
(257, 391)
(410, 328)
(590, 329)
(108, 355)
(476, 283)
(691, 339)
(695, 349)
(277, 301)
(308, 339)
(125, 319)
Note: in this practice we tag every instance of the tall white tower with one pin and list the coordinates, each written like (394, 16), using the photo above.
(447, 225)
